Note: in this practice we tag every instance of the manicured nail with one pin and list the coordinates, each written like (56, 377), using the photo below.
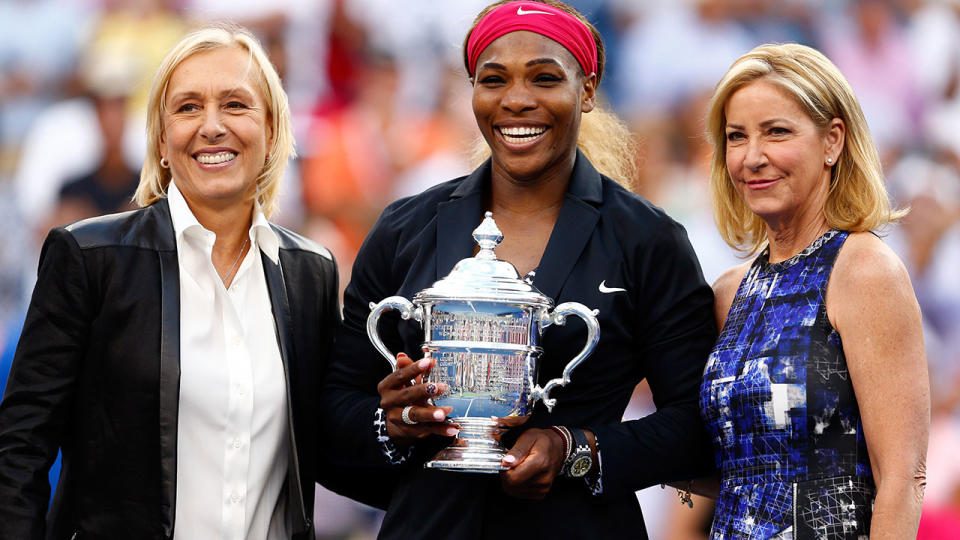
(451, 431)
(438, 415)
(423, 364)
(431, 389)
(402, 355)
(509, 459)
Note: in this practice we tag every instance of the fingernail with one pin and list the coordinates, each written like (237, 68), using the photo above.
(402, 355)
(438, 415)
(509, 459)
(424, 364)
(451, 431)
(431, 389)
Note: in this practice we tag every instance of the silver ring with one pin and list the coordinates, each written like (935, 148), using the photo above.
(405, 416)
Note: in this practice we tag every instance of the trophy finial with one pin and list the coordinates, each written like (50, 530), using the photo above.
(487, 236)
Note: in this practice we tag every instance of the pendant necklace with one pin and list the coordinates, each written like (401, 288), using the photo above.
(236, 262)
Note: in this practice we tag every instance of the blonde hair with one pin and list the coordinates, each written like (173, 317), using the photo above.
(857, 199)
(154, 179)
(603, 138)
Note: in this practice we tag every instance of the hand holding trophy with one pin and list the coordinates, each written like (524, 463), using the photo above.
(482, 325)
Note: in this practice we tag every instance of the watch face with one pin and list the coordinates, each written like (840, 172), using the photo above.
(580, 466)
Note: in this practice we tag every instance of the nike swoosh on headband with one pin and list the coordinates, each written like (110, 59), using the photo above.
(520, 11)
(604, 289)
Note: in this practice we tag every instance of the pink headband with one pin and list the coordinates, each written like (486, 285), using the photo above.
(542, 19)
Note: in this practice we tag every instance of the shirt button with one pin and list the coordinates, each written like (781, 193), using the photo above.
(235, 497)
(241, 390)
(236, 442)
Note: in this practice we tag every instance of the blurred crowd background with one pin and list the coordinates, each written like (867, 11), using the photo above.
(381, 109)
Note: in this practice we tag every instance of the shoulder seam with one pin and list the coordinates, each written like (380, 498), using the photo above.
(291, 241)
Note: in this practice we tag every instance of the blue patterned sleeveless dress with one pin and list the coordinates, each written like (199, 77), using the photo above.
(779, 405)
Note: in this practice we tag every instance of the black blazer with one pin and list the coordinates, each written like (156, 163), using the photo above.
(96, 373)
(659, 327)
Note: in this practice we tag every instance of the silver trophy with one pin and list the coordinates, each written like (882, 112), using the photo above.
(482, 324)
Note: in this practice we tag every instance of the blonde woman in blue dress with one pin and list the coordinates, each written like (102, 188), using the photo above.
(816, 394)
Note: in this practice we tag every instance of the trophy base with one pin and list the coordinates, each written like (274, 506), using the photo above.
(475, 449)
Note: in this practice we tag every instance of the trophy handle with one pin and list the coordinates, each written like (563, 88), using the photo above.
(559, 317)
(406, 309)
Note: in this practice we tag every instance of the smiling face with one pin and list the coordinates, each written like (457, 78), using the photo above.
(776, 155)
(215, 133)
(528, 94)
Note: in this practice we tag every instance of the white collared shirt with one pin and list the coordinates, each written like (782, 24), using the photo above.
(232, 430)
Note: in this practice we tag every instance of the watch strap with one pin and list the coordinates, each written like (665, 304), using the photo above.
(581, 450)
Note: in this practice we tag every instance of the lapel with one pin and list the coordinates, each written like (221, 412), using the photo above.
(458, 217)
(575, 224)
(283, 323)
(169, 387)
(281, 310)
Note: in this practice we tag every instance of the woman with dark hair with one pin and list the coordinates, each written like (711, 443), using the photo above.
(553, 182)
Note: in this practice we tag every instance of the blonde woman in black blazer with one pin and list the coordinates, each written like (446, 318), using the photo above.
(98, 372)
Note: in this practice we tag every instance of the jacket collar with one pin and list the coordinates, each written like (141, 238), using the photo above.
(457, 217)
(585, 181)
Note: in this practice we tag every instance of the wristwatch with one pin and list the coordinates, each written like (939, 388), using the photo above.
(580, 459)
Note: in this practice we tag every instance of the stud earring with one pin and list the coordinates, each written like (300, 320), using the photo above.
(829, 160)
(164, 163)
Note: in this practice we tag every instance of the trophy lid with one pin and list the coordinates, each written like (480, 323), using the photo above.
(483, 277)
